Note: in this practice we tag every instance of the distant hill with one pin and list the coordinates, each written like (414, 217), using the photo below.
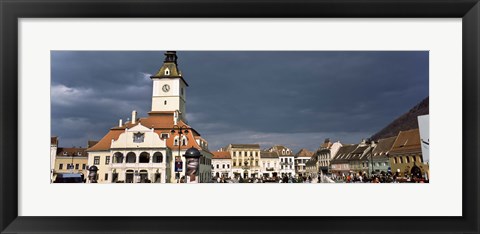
(404, 122)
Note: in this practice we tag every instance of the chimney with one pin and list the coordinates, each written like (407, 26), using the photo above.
(134, 116)
(120, 122)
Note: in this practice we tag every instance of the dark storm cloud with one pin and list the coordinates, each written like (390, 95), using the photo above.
(291, 98)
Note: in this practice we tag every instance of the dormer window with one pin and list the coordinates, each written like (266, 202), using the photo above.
(167, 72)
(79, 153)
(184, 140)
(65, 153)
(138, 137)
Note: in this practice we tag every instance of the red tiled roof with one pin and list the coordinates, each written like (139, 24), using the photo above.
(221, 155)
(162, 122)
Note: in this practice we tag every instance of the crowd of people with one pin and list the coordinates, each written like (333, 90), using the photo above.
(377, 178)
(333, 178)
(264, 179)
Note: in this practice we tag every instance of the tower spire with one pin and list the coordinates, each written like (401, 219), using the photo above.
(169, 68)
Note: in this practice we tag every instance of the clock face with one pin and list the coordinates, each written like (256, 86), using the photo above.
(166, 88)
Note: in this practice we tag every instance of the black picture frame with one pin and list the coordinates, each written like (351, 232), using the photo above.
(11, 11)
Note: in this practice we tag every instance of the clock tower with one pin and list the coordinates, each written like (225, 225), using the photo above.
(169, 87)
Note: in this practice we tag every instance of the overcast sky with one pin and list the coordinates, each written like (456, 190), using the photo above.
(292, 98)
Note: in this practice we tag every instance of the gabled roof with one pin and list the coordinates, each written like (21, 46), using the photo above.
(407, 142)
(304, 153)
(383, 147)
(344, 153)
(358, 153)
(161, 122)
(221, 155)
(280, 149)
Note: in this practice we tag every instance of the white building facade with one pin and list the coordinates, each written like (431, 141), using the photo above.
(222, 165)
(270, 163)
(286, 160)
(153, 148)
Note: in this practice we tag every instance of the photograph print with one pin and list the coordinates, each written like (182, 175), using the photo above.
(192, 117)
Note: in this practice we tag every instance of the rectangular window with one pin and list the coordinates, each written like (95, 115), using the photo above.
(223, 166)
(234, 154)
(228, 165)
(218, 166)
(107, 160)
(106, 176)
(234, 164)
(84, 166)
(164, 135)
(77, 166)
(60, 167)
(96, 160)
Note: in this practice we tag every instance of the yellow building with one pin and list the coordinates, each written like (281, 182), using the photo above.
(406, 155)
(70, 160)
(245, 159)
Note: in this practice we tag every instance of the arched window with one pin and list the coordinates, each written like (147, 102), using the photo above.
(175, 141)
(129, 176)
(118, 157)
(184, 140)
(167, 71)
(131, 157)
(144, 157)
(157, 157)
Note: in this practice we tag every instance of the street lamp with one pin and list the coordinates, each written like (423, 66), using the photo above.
(372, 145)
(181, 130)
